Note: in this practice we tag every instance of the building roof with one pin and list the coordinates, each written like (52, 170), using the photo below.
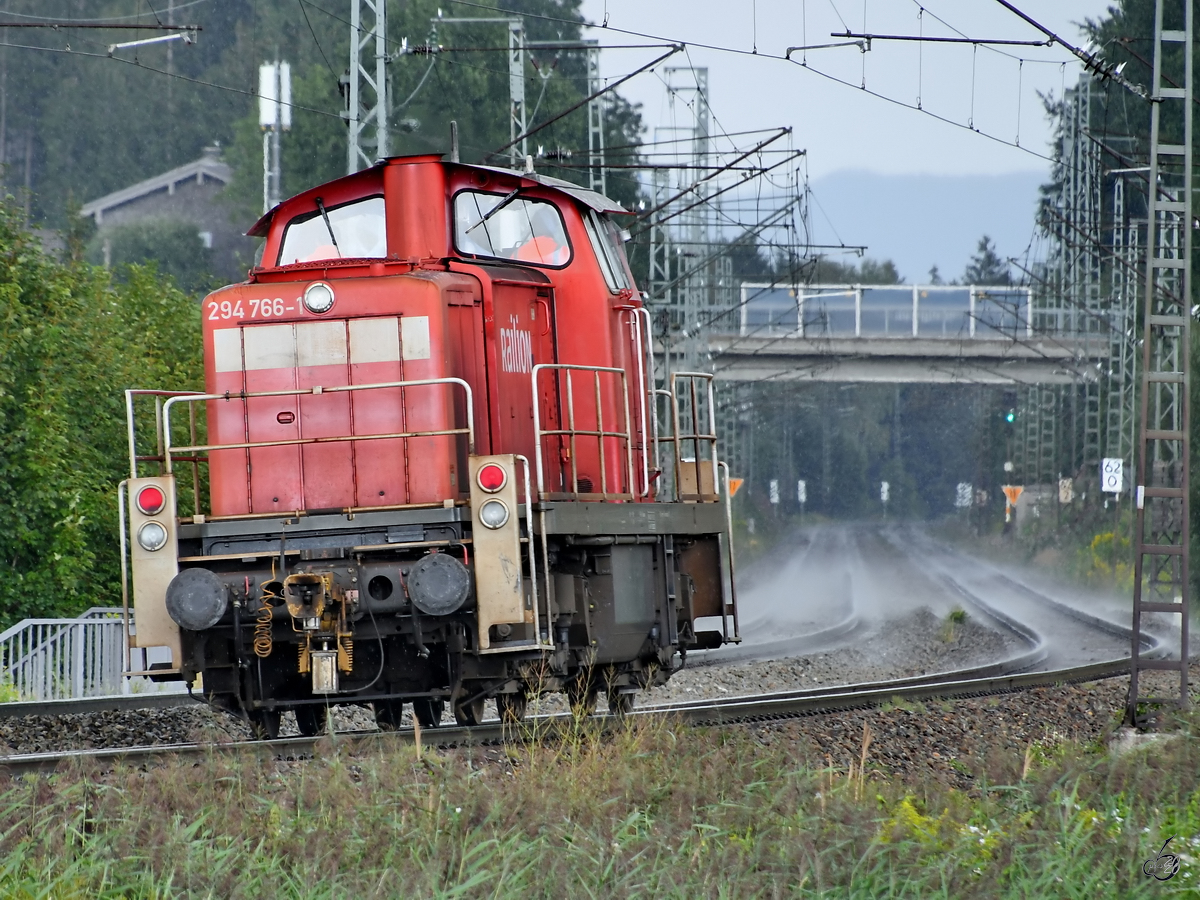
(209, 165)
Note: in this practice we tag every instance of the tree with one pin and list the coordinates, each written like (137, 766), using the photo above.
(89, 125)
(869, 271)
(174, 247)
(72, 339)
(986, 266)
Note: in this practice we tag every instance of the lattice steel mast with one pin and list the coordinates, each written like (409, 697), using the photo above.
(366, 85)
(1120, 414)
(1161, 536)
(516, 91)
(597, 180)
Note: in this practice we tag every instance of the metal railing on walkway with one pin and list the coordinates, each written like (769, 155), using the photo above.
(66, 659)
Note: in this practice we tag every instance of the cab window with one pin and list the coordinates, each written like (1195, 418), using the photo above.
(610, 254)
(354, 231)
(507, 226)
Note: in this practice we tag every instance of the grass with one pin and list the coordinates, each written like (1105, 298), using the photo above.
(654, 810)
(948, 633)
(1087, 544)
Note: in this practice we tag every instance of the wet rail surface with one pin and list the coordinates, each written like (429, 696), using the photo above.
(726, 711)
(1055, 643)
(844, 583)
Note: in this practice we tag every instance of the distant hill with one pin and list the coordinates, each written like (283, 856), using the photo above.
(919, 221)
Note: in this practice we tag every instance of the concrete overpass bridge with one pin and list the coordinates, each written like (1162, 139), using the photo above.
(932, 334)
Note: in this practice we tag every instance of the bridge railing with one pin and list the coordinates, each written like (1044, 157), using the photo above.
(901, 311)
(69, 659)
(56, 659)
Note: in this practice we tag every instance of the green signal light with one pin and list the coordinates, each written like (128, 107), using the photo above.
(1010, 416)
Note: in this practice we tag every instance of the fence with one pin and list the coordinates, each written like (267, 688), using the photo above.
(61, 659)
(900, 311)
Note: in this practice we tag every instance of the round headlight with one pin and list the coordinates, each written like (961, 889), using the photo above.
(491, 478)
(151, 500)
(318, 297)
(493, 514)
(152, 536)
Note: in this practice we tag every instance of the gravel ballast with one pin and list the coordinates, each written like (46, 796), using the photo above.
(915, 644)
(918, 643)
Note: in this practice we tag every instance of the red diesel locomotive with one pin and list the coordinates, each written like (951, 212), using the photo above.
(427, 466)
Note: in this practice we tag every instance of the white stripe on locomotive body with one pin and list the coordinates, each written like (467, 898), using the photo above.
(303, 344)
(227, 349)
(269, 347)
(414, 333)
(374, 340)
(320, 344)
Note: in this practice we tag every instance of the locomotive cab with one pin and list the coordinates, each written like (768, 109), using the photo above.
(431, 464)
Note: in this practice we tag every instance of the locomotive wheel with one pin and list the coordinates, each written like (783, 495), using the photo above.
(264, 723)
(619, 704)
(428, 713)
(387, 714)
(511, 707)
(581, 694)
(469, 713)
(312, 720)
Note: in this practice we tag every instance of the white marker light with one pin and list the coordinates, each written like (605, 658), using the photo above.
(318, 297)
(493, 514)
(152, 536)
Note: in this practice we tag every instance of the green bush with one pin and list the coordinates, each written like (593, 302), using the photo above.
(72, 340)
(172, 245)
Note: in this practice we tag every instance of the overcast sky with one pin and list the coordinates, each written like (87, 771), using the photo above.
(842, 126)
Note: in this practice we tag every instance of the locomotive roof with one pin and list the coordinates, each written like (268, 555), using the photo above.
(587, 197)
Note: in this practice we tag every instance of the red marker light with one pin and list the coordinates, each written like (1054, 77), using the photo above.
(151, 500)
(492, 478)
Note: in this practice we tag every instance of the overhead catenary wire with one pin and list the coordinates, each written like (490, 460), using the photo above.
(67, 26)
(675, 213)
(604, 90)
(17, 15)
(781, 132)
(313, 32)
(137, 63)
(919, 107)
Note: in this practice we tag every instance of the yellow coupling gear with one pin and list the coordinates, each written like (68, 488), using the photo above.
(264, 641)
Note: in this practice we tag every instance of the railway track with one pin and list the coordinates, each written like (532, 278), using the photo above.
(1014, 673)
(835, 564)
(1149, 644)
(725, 711)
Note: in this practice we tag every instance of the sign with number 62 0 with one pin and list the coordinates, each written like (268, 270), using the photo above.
(1112, 475)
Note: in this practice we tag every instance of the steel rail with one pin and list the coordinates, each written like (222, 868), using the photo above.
(802, 644)
(1149, 644)
(731, 710)
(1003, 676)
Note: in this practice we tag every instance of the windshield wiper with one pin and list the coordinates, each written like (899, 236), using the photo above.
(509, 198)
(328, 226)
